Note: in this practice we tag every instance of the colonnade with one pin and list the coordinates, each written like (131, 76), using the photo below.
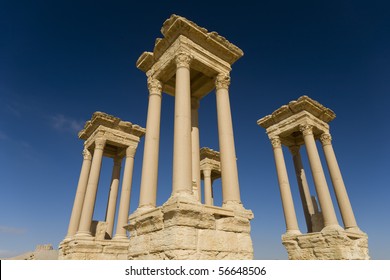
(211, 170)
(322, 190)
(186, 161)
(84, 203)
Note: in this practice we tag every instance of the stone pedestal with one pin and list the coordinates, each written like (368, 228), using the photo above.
(327, 245)
(95, 247)
(186, 230)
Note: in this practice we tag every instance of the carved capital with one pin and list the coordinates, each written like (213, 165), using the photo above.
(100, 143)
(294, 150)
(183, 60)
(207, 172)
(326, 139)
(222, 81)
(154, 86)
(276, 143)
(306, 129)
(130, 151)
(87, 154)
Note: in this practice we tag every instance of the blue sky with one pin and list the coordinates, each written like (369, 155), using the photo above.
(60, 61)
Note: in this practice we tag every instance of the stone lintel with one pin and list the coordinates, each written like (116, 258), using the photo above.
(105, 120)
(205, 66)
(304, 103)
(288, 128)
(116, 141)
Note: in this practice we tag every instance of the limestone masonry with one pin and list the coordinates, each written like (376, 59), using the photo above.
(188, 63)
(299, 123)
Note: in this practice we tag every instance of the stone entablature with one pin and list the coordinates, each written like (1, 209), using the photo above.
(302, 122)
(210, 54)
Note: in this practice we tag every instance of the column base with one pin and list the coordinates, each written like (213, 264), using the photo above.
(187, 230)
(92, 249)
(327, 245)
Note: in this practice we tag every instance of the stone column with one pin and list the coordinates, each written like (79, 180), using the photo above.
(195, 145)
(285, 190)
(148, 189)
(338, 184)
(113, 196)
(80, 194)
(182, 152)
(90, 196)
(208, 192)
(330, 219)
(229, 174)
(124, 204)
(303, 186)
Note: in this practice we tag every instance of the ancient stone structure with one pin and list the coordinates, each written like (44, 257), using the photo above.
(188, 63)
(104, 135)
(210, 167)
(302, 122)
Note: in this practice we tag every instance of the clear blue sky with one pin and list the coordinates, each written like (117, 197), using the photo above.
(62, 60)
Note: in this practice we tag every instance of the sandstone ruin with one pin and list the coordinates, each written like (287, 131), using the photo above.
(299, 123)
(188, 63)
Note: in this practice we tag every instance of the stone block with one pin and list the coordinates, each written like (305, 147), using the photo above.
(234, 224)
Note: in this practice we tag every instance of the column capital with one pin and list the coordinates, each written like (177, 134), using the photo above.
(306, 129)
(87, 154)
(326, 139)
(100, 143)
(276, 143)
(154, 86)
(222, 81)
(183, 59)
(194, 103)
(206, 172)
(130, 151)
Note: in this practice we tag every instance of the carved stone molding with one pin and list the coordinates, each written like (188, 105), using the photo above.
(154, 86)
(276, 143)
(326, 139)
(306, 129)
(130, 151)
(183, 60)
(100, 143)
(222, 81)
(87, 154)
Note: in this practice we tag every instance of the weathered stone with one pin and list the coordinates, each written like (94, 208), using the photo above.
(327, 245)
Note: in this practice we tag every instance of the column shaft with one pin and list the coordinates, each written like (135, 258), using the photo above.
(285, 190)
(90, 196)
(303, 186)
(113, 196)
(208, 192)
(195, 146)
(330, 219)
(80, 194)
(182, 162)
(124, 204)
(148, 189)
(229, 173)
(338, 184)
